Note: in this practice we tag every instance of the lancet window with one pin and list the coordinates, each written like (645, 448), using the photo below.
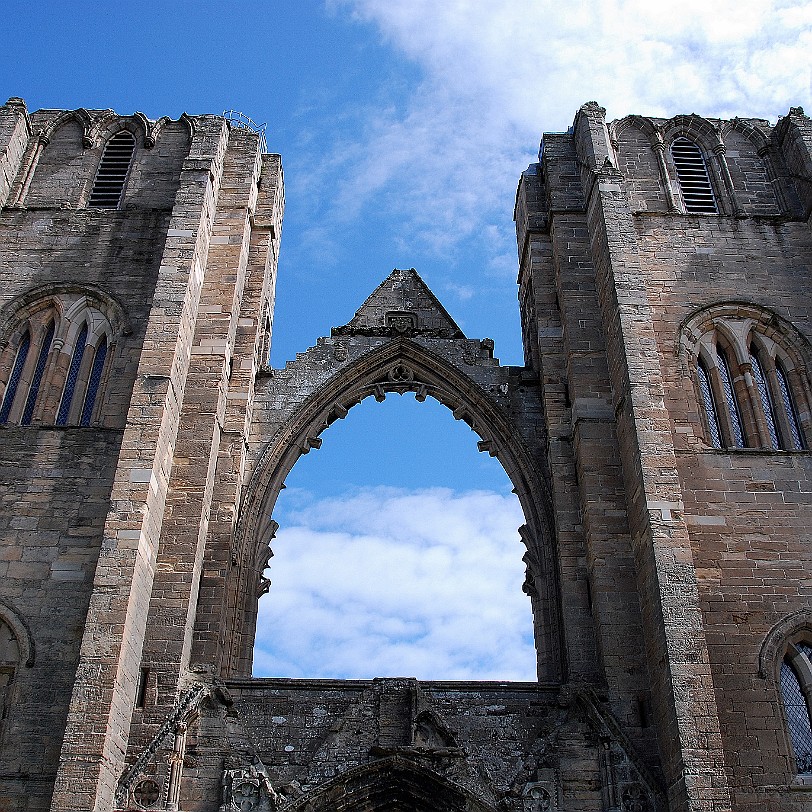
(751, 383)
(54, 365)
(114, 167)
(693, 179)
(796, 693)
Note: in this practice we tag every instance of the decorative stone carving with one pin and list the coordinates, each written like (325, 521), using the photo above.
(430, 732)
(248, 789)
(146, 793)
(340, 353)
(537, 798)
(400, 373)
(634, 799)
(401, 323)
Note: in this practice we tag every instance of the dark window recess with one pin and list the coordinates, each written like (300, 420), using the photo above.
(789, 408)
(73, 374)
(800, 729)
(709, 404)
(93, 383)
(39, 371)
(141, 691)
(112, 173)
(692, 174)
(16, 375)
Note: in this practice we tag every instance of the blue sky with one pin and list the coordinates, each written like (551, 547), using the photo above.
(403, 126)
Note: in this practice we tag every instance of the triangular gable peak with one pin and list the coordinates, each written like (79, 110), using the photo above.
(402, 305)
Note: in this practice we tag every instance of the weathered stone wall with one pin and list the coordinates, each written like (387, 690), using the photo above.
(79, 533)
(720, 537)
(56, 481)
(666, 576)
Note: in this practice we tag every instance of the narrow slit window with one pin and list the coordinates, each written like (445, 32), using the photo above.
(112, 173)
(36, 380)
(94, 382)
(732, 403)
(73, 374)
(766, 399)
(141, 690)
(789, 409)
(709, 404)
(692, 176)
(14, 378)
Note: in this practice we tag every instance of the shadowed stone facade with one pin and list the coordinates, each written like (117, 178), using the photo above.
(656, 438)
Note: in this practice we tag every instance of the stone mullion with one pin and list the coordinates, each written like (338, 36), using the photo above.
(665, 180)
(101, 707)
(754, 423)
(719, 153)
(53, 382)
(683, 692)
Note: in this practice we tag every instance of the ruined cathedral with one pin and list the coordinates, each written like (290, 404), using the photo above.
(657, 437)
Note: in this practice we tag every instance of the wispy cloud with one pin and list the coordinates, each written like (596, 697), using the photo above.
(495, 74)
(388, 582)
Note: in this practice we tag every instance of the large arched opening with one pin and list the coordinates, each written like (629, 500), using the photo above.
(492, 400)
(398, 553)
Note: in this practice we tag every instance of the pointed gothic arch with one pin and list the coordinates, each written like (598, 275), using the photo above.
(458, 372)
(393, 782)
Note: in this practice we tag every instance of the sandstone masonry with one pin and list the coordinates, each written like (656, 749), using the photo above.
(657, 438)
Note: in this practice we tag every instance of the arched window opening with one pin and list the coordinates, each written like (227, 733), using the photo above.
(709, 405)
(789, 408)
(765, 398)
(56, 373)
(15, 377)
(94, 383)
(397, 554)
(796, 692)
(9, 664)
(73, 375)
(692, 177)
(113, 170)
(36, 380)
(730, 399)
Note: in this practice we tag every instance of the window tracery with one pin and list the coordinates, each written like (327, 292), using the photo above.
(796, 694)
(750, 376)
(54, 365)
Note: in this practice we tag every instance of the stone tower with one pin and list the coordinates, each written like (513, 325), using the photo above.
(656, 438)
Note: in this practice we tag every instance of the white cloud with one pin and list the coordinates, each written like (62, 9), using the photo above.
(388, 582)
(498, 73)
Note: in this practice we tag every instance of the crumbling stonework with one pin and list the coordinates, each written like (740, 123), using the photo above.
(657, 439)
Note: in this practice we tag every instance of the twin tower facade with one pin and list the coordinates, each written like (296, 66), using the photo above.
(657, 437)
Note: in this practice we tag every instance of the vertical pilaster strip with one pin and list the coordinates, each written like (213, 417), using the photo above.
(15, 132)
(218, 646)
